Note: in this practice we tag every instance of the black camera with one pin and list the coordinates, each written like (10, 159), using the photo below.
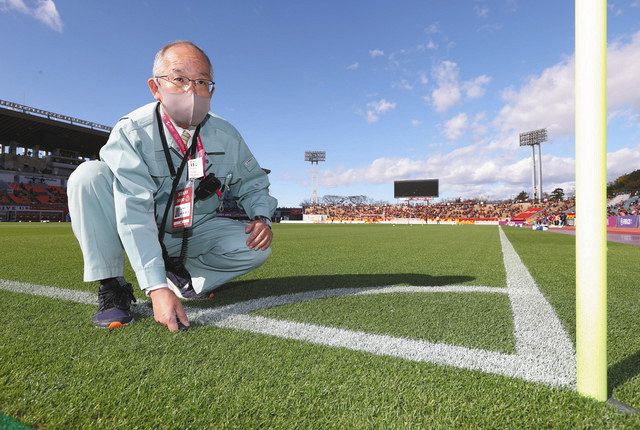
(208, 185)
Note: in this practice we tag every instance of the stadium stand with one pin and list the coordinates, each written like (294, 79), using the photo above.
(529, 213)
(38, 152)
(624, 204)
(40, 149)
(470, 211)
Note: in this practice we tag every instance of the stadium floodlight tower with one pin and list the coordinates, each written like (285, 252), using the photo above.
(314, 157)
(533, 138)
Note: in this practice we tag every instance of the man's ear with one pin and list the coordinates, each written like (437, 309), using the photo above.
(153, 87)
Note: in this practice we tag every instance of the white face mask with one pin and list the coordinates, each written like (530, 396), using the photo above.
(185, 108)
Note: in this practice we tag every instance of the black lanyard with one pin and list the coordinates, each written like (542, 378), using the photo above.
(176, 175)
(165, 145)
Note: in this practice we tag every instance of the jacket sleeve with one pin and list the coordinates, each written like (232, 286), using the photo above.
(133, 192)
(251, 185)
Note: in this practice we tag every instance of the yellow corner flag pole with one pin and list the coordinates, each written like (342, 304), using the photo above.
(591, 196)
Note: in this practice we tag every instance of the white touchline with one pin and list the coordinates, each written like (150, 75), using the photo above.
(544, 351)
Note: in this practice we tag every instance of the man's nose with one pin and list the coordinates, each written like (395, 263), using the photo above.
(190, 87)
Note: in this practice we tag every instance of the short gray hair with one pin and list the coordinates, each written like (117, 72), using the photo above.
(158, 62)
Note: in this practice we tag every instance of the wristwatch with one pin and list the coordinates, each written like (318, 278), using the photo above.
(264, 219)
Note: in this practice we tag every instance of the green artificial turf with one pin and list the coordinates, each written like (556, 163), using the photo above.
(469, 319)
(550, 257)
(57, 371)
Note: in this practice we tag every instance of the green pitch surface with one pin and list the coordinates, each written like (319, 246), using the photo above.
(58, 371)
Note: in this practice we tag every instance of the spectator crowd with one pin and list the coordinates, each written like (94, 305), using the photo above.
(442, 211)
(625, 204)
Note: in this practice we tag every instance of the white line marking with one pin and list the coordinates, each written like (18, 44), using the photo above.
(544, 352)
(538, 331)
(46, 291)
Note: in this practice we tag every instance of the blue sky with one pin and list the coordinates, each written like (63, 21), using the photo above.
(390, 90)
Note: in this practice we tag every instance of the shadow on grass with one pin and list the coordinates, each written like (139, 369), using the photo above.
(251, 289)
(623, 371)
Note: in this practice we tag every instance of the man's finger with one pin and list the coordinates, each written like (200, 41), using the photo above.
(253, 238)
(254, 235)
(250, 227)
(171, 323)
(264, 242)
(259, 237)
(182, 315)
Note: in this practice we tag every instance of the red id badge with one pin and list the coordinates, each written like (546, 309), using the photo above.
(183, 208)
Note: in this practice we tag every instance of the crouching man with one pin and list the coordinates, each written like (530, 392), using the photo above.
(156, 192)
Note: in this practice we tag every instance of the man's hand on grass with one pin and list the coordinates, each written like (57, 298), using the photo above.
(167, 309)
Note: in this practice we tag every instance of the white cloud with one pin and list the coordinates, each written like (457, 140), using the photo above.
(469, 173)
(445, 96)
(547, 100)
(415, 122)
(47, 13)
(17, 5)
(424, 79)
(429, 45)
(544, 101)
(615, 9)
(378, 108)
(433, 28)
(481, 10)
(446, 71)
(454, 128)
(44, 11)
(462, 173)
(484, 168)
(622, 161)
(630, 116)
(475, 87)
(477, 126)
(353, 66)
(447, 93)
(623, 69)
(381, 170)
(449, 90)
(376, 53)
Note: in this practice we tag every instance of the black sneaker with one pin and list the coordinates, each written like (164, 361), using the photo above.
(114, 303)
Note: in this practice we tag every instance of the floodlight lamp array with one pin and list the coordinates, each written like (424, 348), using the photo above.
(534, 137)
(315, 156)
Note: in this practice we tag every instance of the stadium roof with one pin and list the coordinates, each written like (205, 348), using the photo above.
(31, 127)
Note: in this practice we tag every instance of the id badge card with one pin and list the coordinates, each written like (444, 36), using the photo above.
(183, 208)
(196, 168)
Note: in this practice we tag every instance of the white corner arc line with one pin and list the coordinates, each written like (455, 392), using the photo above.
(544, 352)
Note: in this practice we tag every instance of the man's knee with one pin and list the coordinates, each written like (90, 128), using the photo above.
(88, 176)
(259, 257)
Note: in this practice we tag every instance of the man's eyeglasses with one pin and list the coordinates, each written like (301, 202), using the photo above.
(182, 82)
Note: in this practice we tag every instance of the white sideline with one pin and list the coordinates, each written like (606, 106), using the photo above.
(544, 351)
